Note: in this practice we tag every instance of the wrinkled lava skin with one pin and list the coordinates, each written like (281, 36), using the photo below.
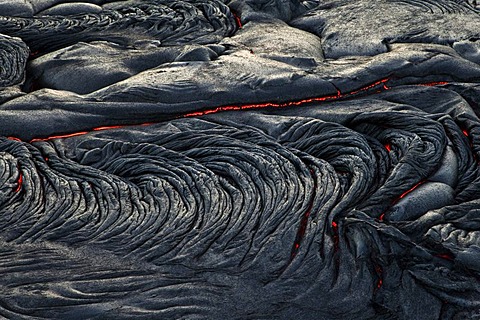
(268, 159)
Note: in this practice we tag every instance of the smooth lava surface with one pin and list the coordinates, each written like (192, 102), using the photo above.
(240, 159)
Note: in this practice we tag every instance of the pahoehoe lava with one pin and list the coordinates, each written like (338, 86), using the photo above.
(240, 159)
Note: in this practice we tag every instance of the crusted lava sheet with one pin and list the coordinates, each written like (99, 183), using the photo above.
(274, 159)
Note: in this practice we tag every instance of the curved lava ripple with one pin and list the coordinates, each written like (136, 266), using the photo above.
(240, 159)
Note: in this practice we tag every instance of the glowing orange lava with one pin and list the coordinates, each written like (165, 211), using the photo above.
(377, 87)
(19, 182)
(433, 84)
(410, 190)
(238, 21)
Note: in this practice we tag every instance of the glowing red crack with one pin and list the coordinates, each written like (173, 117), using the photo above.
(379, 272)
(19, 182)
(409, 190)
(107, 128)
(382, 217)
(237, 20)
(381, 84)
(433, 84)
(303, 222)
(336, 238)
(338, 96)
(445, 256)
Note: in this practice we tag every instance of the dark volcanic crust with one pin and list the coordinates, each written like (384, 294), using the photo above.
(274, 159)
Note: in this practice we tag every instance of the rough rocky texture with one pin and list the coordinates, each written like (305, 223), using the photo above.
(274, 159)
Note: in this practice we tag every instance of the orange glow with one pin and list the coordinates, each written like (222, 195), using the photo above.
(336, 238)
(371, 86)
(19, 183)
(445, 256)
(379, 283)
(238, 21)
(379, 272)
(303, 223)
(107, 128)
(433, 84)
(410, 190)
(378, 86)
(338, 96)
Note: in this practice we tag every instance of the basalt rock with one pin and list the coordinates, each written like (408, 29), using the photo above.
(240, 159)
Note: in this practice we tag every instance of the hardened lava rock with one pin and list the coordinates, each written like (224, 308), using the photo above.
(13, 58)
(272, 159)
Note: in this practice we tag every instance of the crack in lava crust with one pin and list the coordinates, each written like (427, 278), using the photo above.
(381, 84)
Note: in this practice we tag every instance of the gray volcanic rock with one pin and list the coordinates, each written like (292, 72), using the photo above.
(19, 8)
(28, 8)
(368, 27)
(469, 50)
(171, 23)
(274, 159)
(76, 68)
(13, 58)
(71, 9)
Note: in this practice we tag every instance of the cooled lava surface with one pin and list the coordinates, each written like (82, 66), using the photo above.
(240, 159)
